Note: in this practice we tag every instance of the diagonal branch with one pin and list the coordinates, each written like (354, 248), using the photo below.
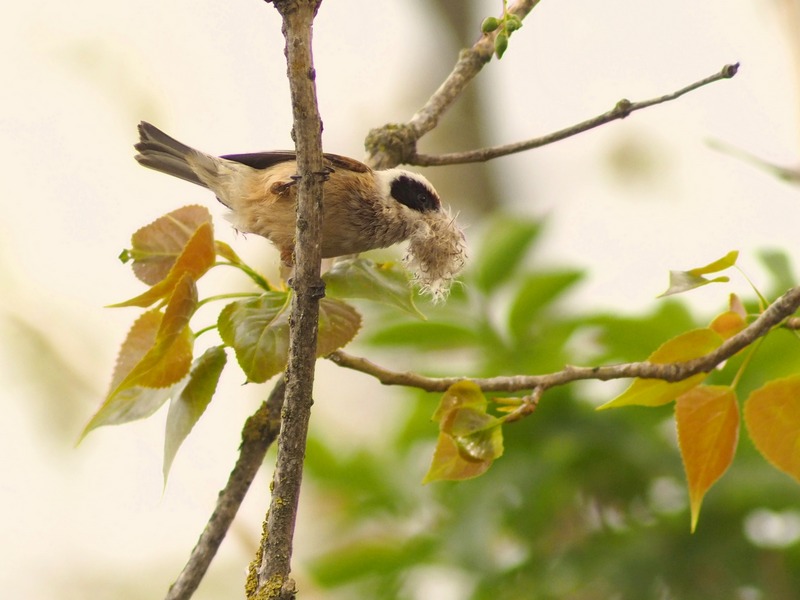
(622, 109)
(259, 431)
(779, 310)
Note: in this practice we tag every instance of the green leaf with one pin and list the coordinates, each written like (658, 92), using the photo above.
(362, 278)
(258, 331)
(505, 245)
(156, 247)
(778, 265)
(195, 259)
(189, 404)
(370, 555)
(655, 392)
(535, 292)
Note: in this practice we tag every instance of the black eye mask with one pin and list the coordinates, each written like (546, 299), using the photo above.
(414, 194)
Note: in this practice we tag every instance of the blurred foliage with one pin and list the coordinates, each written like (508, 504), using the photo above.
(583, 504)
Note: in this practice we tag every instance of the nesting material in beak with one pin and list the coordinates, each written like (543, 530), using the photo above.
(437, 252)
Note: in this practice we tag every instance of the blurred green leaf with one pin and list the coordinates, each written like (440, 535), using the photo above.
(504, 246)
(778, 264)
(368, 557)
(627, 338)
(429, 336)
(534, 293)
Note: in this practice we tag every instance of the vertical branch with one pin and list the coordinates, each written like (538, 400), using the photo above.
(272, 579)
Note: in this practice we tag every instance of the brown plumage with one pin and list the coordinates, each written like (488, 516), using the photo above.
(363, 209)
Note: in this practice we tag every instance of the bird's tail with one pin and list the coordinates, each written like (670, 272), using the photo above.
(159, 151)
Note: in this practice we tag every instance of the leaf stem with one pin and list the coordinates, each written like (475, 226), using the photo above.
(227, 296)
(259, 280)
(762, 301)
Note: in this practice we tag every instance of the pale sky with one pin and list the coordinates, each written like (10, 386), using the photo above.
(80, 75)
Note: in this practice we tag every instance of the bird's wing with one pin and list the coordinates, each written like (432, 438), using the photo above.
(264, 160)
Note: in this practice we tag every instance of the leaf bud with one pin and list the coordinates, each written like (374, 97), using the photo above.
(513, 22)
(500, 44)
(490, 24)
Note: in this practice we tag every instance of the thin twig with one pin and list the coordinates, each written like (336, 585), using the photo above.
(779, 310)
(622, 109)
(470, 62)
(259, 431)
(393, 144)
(788, 174)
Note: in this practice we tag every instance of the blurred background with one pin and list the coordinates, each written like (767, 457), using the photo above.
(583, 505)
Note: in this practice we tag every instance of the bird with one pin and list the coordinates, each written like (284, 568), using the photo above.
(362, 209)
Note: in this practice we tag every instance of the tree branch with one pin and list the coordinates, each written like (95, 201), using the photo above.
(779, 310)
(394, 144)
(272, 574)
(622, 109)
(259, 431)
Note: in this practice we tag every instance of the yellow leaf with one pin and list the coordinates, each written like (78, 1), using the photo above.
(728, 324)
(708, 429)
(156, 355)
(772, 414)
(655, 392)
(195, 259)
(449, 463)
(720, 264)
(169, 359)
